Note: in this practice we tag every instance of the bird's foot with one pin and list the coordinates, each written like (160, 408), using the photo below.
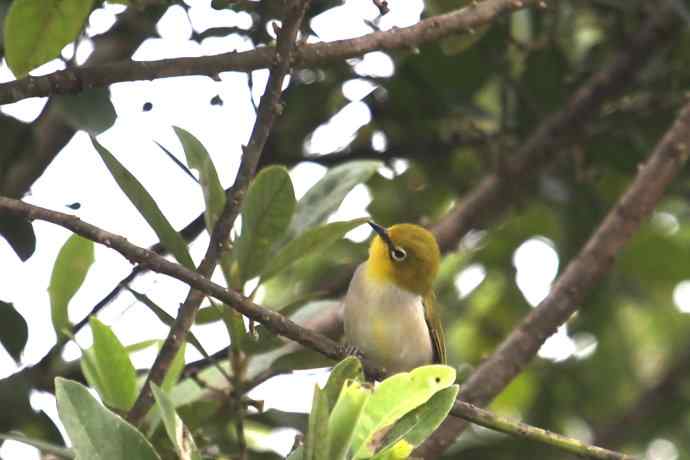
(347, 349)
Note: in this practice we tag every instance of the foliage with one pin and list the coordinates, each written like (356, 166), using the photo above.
(449, 118)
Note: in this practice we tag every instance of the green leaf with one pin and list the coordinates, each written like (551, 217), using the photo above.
(166, 318)
(117, 378)
(393, 398)
(90, 110)
(13, 330)
(413, 429)
(70, 269)
(266, 214)
(177, 431)
(175, 370)
(37, 30)
(199, 159)
(345, 416)
(326, 195)
(146, 206)
(43, 446)
(19, 233)
(349, 368)
(97, 433)
(311, 241)
(316, 441)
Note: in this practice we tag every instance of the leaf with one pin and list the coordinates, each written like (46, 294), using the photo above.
(96, 432)
(166, 318)
(43, 446)
(70, 269)
(419, 424)
(146, 206)
(90, 110)
(117, 378)
(393, 398)
(345, 416)
(311, 241)
(37, 30)
(174, 370)
(177, 432)
(199, 159)
(266, 214)
(316, 440)
(326, 195)
(19, 233)
(349, 368)
(13, 330)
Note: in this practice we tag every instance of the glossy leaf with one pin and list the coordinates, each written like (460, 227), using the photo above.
(327, 194)
(266, 214)
(178, 433)
(97, 433)
(416, 426)
(13, 330)
(199, 159)
(396, 396)
(345, 416)
(316, 440)
(146, 206)
(70, 268)
(36, 30)
(349, 368)
(175, 370)
(311, 241)
(116, 377)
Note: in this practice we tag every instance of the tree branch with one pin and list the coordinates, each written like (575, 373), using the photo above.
(497, 192)
(269, 109)
(581, 274)
(427, 30)
(273, 321)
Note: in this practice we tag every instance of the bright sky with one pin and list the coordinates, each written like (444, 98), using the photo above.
(78, 175)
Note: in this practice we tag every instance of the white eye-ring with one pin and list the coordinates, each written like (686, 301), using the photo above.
(398, 254)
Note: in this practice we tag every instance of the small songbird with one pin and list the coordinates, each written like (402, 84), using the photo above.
(390, 313)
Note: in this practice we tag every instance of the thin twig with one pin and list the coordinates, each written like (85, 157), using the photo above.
(269, 109)
(427, 30)
(488, 419)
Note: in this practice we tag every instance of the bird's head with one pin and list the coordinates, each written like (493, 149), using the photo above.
(404, 254)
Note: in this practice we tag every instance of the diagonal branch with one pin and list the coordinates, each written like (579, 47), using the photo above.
(269, 109)
(278, 323)
(427, 30)
(582, 274)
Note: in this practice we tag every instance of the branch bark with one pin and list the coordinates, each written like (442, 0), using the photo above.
(582, 273)
(269, 109)
(431, 29)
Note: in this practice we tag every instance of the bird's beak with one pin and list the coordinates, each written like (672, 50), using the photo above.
(382, 233)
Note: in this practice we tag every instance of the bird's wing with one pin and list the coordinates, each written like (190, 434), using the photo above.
(433, 322)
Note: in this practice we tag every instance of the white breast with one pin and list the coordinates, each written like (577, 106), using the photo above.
(386, 323)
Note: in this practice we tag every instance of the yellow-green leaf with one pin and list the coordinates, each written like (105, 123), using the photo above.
(70, 269)
(37, 30)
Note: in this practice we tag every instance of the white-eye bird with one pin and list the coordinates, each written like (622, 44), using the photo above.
(390, 313)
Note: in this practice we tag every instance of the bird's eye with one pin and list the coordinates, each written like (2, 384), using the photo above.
(398, 254)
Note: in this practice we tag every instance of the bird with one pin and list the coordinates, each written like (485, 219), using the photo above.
(390, 312)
